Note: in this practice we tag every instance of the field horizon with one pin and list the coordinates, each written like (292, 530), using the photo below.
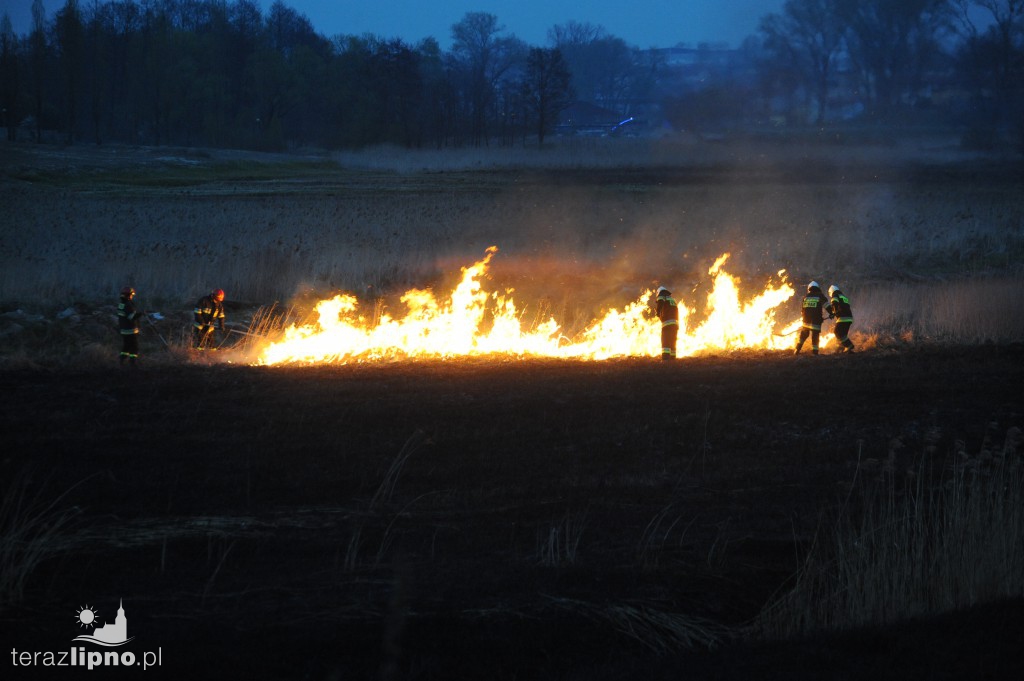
(926, 240)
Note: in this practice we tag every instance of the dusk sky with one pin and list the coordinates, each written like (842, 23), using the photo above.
(643, 23)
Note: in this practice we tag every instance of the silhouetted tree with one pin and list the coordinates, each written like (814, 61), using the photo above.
(484, 57)
(601, 65)
(547, 88)
(892, 44)
(807, 36)
(69, 34)
(993, 59)
(38, 58)
(9, 86)
(438, 111)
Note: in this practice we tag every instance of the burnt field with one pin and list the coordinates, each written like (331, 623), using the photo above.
(487, 519)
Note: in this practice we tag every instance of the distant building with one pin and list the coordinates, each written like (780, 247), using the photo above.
(584, 118)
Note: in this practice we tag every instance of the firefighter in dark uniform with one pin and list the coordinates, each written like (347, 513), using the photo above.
(668, 313)
(815, 305)
(128, 325)
(208, 314)
(839, 309)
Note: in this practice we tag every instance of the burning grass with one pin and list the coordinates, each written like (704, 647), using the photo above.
(474, 322)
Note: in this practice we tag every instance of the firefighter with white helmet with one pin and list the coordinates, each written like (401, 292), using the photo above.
(208, 313)
(814, 307)
(668, 313)
(839, 308)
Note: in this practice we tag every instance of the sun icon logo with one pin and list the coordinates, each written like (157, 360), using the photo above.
(87, 617)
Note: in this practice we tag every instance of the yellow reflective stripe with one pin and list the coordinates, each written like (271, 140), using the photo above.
(812, 327)
(670, 322)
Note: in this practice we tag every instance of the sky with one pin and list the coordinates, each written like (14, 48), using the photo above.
(641, 23)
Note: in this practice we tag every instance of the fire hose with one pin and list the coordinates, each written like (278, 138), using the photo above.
(790, 333)
(240, 333)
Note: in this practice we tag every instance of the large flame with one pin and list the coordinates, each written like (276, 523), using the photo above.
(474, 322)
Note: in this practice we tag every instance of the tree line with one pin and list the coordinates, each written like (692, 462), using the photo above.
(222, 73)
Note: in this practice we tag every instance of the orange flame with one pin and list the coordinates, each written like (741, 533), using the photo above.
(456, 327)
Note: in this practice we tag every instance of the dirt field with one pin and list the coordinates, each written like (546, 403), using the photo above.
(481, 519)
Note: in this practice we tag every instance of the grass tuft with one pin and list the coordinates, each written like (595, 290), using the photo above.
(31, 530)
(943, 541)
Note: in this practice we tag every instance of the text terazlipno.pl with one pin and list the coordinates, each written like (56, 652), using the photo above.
(90, 659)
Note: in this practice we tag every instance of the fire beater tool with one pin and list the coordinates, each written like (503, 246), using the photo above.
(155, 330)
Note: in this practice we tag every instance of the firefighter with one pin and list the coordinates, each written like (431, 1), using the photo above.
(209, 312)
(839, 309)
(128, 325)
(668, 313)
(815, 305)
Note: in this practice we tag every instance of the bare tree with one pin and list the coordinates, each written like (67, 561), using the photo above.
(892, 43)
(8, 76)
(38, 57)
(485, 57)
(601, 65)
(995, 55)
(808, 35)
(546, 87)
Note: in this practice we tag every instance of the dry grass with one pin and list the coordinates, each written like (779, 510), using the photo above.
(966, 311)
(32, 528)
(941, 544)
(650, 625)
(581, 227)
(362, 228)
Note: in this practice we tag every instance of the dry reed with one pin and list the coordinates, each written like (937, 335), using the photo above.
(943, 543)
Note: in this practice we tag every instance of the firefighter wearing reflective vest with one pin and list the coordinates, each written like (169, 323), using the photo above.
(128, 326)
(668, 313)
(815, 305)
(208, 313)
(839, 308)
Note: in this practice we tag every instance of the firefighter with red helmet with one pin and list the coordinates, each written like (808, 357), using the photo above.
(815, 305)
(128, 325)
(839, 308)
(208, 314)
(668, 313)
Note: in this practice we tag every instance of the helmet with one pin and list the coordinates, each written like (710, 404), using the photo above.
(813, 284)
(218, 293)
(127, 292)
(662, 289)
(832, 290)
